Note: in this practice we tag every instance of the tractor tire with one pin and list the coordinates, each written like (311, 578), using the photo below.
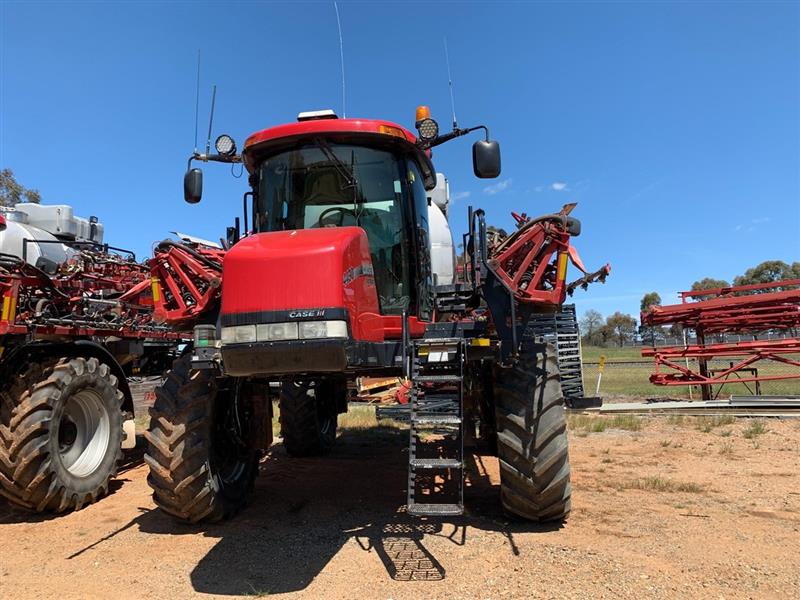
(308, 418)
(60, 435)
(532, 436)
(199, 470)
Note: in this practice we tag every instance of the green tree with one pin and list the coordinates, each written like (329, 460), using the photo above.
(649, 300)
(709, 284)
(12, 192)
(768, 271)
(621, 327)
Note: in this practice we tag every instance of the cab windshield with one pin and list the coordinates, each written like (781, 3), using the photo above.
(337, 185)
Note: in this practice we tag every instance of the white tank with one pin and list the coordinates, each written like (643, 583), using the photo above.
(443, 253)
(17, 229)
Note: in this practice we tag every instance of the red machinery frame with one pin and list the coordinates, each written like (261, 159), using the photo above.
(747, 309)
(532, 261)
(94, 295)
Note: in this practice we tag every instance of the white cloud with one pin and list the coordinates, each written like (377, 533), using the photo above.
(749, 227)
(559, 186)
(498, 187)
(460, 196)
(538, 188)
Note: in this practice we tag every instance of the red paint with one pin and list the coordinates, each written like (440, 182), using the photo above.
(301, 128)
(302, 269)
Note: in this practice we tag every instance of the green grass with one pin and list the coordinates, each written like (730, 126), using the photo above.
(633, 379)
(612, 354)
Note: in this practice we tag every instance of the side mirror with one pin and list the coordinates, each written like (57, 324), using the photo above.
(486, 159)
(193, 186)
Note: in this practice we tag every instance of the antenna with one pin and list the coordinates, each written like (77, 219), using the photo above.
(197, 101)
(211, 118)
(450, 83)
(341, 56)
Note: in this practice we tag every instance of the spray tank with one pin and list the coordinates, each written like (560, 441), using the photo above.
(443, 254)
(51, 232)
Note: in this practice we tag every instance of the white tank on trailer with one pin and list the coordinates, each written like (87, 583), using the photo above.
(48, 224)
(443, 253)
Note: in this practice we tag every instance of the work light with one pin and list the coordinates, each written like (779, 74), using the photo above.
(225, 145)
(428, 129)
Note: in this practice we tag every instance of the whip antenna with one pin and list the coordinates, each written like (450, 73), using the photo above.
(341, 56)
(197, 101)
(450, 83)
(211, 118)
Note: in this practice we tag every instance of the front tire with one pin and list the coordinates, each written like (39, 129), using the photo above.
(532, 436)
(201, 467)
(60, 435)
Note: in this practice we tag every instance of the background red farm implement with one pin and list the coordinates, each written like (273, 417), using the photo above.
(750, 310)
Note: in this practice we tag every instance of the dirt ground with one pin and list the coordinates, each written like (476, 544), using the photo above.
(677, 509)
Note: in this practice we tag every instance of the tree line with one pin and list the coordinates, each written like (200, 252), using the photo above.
(620, 328)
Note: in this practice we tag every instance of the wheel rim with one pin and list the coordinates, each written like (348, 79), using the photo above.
(84, 433)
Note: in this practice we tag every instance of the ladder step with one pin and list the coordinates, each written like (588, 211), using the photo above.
(435, 463)
(437, 378)
(436, 419)
(435, 510)
(442, 340)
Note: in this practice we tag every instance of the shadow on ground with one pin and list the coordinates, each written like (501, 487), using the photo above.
(304, 510)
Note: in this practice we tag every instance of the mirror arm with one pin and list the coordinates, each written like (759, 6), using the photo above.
(452, 135)
(236, 158)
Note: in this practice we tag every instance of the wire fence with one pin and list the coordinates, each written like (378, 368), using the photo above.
(632, 378)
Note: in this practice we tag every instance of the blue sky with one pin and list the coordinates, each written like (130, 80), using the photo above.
(675, 126)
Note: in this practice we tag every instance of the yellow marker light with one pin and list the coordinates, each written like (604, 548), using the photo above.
(423, 112)
(6, 308)
(562, 266)
(156, 289)
(389, 130)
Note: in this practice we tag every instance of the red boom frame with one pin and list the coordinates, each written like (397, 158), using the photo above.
(745, 309)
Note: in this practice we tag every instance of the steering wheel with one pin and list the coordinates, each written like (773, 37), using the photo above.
(342, 212)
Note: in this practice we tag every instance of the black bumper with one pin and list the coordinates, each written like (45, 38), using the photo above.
(296, 356)
(311, 356)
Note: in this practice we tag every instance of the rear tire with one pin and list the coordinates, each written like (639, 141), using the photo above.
(60, 434)
(308, 417)
(199, 470)
(532, 436)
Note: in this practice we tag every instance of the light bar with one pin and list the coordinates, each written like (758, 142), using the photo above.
(275, 332)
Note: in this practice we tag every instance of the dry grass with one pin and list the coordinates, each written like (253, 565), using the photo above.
(585, 424)
(726, 448)
(757, 427)
(660, 484)
(706, 424)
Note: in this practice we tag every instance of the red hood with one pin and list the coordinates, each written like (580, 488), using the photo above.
(303, 269)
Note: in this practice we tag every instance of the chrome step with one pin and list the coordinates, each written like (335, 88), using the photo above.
(435, 463)
(435, 510)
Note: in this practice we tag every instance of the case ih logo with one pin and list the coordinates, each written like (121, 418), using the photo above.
(301, 314)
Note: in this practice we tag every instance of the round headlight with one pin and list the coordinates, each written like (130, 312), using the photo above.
(225, 145)
(428, 129)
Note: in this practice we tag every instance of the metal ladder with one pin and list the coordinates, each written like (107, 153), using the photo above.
(436, 444)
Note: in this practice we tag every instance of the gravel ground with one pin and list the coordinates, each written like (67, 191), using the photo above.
(677, 509)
